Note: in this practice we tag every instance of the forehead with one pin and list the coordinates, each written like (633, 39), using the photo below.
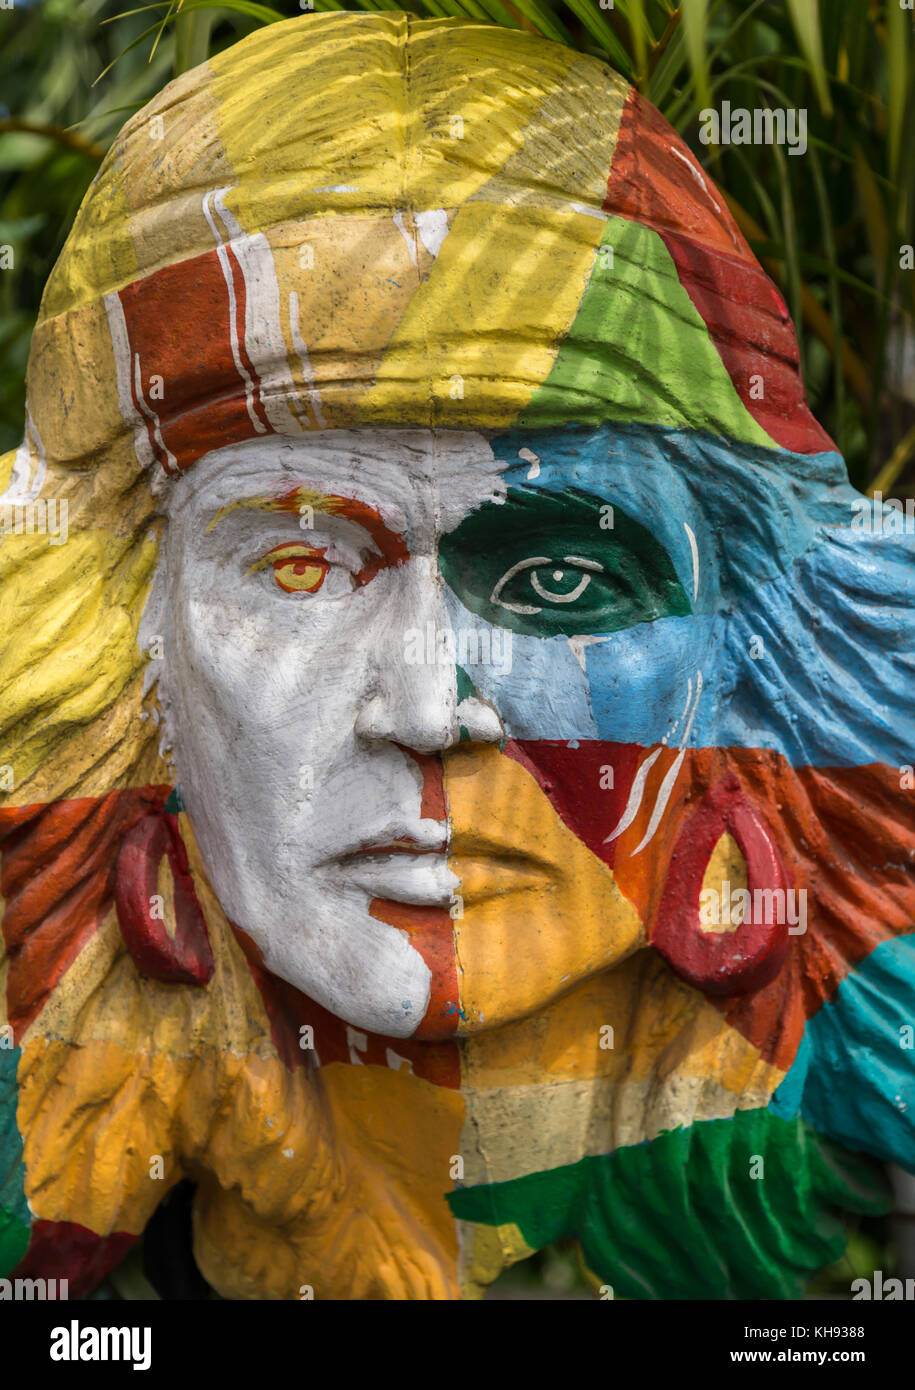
(416, 479)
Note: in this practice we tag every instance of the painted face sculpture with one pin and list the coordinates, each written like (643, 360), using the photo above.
(456, 766)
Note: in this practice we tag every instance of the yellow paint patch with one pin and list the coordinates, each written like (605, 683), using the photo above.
(187, 157)
(661, 1027)
(553, 157)
(165, 888)
(100, 251)
(73, 397)
(402, 1134)
(625, 1056)
(487, 1252)
(474, 343)
(335, 1178)
(540, 911)
(118, 749)
(726, 866)
(622, 1058)
(79, 606)
(353, 278)
(336, 1181)
(434, 119)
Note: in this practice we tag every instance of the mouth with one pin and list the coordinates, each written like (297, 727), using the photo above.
(400, 871)
(422, 870)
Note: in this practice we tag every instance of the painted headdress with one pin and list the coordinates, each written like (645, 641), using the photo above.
(353, 220)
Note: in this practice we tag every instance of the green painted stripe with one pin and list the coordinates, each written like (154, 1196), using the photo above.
(639, 351)
(14, 1241)
(682, 1217)
(15, 1218)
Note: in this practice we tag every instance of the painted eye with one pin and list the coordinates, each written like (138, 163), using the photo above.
(553, 581)
(300, 576)
(303, 569)
(579, 576)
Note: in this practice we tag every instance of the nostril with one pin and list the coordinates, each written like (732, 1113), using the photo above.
(482, 721)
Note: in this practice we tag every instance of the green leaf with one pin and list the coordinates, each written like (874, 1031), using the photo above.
(546, 22)
(897, 51)
(695, 19)
(602, 31)
(633, 11)
(805, 16)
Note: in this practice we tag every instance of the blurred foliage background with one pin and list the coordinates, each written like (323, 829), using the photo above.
(829, 226)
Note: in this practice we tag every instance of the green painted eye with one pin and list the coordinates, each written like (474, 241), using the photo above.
(569, 581)
(545, 563)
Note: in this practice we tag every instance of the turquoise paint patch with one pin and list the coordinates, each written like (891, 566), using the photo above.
(786, 1100)
(15, 1218)
(854, 1075)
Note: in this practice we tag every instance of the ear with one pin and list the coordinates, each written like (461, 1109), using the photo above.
(158, 910)
(724, 962)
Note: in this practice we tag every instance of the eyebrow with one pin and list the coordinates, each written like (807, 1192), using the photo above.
(391, 544)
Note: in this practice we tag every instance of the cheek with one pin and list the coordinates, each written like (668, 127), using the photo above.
(644, 682)
(525, 936)
(236, 654)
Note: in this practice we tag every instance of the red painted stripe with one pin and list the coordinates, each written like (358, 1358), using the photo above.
(655, 179)
(66, 1250)
(752, 330)
(178, 323)
(431, 932)
(289, 1010)
(572, 778)
(651, 182)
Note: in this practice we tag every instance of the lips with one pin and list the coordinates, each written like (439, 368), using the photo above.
(421, 878)
(417, 869)
(404, 864)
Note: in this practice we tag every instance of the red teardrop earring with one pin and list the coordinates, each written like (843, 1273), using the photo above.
(165, 931)
(724, 962)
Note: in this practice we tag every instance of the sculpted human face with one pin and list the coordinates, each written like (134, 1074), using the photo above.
(367, 638)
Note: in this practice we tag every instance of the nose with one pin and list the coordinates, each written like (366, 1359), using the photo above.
(413, 700)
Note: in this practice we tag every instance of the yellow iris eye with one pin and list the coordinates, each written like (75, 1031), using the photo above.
(297, 569)
(299, 576)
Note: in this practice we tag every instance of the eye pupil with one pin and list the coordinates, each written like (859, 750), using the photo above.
(557, 574)
(300, 575)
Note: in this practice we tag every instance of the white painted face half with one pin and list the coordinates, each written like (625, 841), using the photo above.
(293, 717)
